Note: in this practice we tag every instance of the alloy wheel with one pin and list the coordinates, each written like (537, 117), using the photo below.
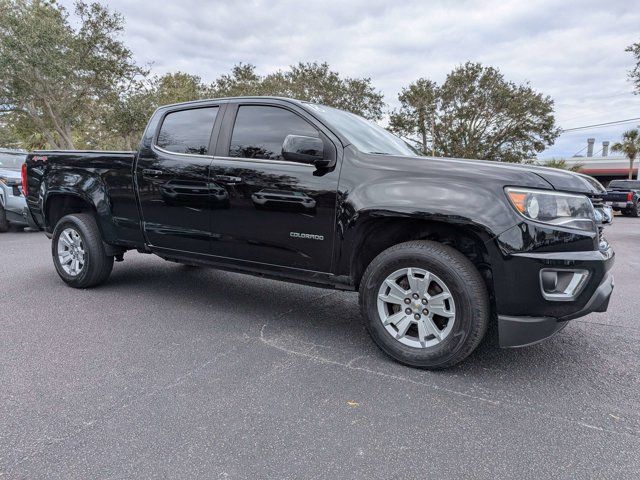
(71, 254)
(416, 307)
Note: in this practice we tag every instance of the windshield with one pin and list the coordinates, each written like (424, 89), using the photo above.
(363, 134)
(12, 161)
(625, 184)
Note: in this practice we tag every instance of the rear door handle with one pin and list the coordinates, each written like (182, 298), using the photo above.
(147, 172)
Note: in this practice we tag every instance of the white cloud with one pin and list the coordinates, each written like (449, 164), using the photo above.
(572, 50)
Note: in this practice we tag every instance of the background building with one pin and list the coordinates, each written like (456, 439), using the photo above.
(604, 167)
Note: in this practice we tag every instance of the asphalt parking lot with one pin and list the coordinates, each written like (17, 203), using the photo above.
(176, 372)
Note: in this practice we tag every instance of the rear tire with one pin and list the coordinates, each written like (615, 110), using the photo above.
(4, 223)
(434, 343)
(79, 257)
(634, 211)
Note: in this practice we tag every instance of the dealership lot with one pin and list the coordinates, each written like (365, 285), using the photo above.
(178, 372)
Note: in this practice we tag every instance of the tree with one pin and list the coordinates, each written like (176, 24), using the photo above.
(242, 81)
(476, 113)
(313, 82)
(416, 117)
(179, 87)
(8, 135)
(128, 113)
(630, 146)
(56, 77)
(634, 74)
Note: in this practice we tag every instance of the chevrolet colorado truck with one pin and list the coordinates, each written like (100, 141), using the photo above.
(624, 196)
(436, 247)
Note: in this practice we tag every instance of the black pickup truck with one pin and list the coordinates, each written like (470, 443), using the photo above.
(437, 248)
(624, 196)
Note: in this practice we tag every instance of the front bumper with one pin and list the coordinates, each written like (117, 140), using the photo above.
(16, 219)
(528, 307)
(520, 331)
(14, 208)
(28, 219)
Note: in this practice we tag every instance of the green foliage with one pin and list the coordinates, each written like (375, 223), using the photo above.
(630, 146)
(8, 135)
(71, 83)
(476, 113)
(179, 87)
(313, 82)
(242, 81)
(56, 76)
(128, 113)
(416, 117)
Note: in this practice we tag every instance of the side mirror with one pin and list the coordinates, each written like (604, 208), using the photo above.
(300, 148)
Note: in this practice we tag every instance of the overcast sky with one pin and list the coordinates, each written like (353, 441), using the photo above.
(571, 50)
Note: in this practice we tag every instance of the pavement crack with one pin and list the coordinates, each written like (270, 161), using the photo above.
(350, 365)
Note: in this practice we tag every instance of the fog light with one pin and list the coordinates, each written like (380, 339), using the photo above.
(562, 285)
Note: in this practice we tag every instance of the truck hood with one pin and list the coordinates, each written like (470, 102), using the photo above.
(569, 181)
(512, 174)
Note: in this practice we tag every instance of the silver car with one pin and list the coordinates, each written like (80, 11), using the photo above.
(13, 206)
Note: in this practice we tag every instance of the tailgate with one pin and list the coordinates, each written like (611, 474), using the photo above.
(614, 196)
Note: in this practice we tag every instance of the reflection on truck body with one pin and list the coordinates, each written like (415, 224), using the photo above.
(283, 200)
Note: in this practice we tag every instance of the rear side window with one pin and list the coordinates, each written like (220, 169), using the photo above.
(259, 131)
(187, 131)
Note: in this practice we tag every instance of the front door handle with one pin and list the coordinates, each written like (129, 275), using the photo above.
(147, 172)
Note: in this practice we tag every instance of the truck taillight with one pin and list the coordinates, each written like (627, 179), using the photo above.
(630, 197)
(24, 180)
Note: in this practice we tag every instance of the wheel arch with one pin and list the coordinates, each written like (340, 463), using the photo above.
(59, 204)
(378, 233)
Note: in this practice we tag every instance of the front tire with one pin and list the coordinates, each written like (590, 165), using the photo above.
(424, 304)
(78, 252)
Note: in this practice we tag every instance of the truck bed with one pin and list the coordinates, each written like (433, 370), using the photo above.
(105, 180)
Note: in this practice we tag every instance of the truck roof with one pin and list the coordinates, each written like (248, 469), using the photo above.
(245, 97)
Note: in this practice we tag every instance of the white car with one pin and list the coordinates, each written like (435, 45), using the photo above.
(13, 206)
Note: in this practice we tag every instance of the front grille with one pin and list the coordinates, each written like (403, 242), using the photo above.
(597, 201)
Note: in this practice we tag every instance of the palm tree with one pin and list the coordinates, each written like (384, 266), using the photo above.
(630, 146)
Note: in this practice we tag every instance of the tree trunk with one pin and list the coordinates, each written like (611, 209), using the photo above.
(423, 130)
(424, 141)
(631, 168)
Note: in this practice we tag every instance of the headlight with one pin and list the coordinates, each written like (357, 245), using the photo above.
(3, 180)
(554, 208)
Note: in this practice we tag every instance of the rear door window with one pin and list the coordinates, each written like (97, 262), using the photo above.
(187, 131)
